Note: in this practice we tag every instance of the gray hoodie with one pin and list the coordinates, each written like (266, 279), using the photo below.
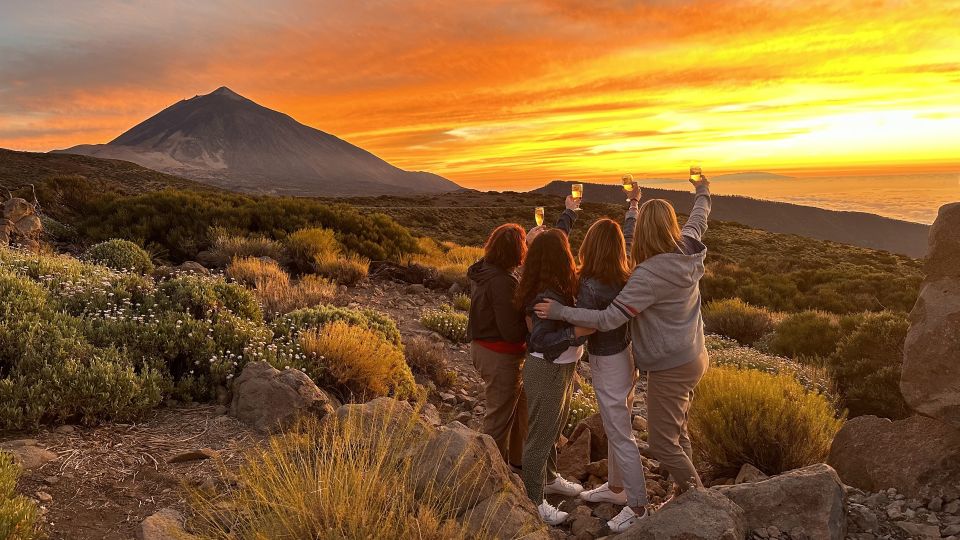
(661, 300)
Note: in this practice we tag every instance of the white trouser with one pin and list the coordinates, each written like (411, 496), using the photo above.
(614, 378)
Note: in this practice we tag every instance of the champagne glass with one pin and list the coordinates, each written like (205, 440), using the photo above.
(538, 215)
(695, 172)
(627, 183)
(576, 191)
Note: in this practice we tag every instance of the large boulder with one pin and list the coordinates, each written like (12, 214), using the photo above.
(574, 457)
(811, 499)
(268, 399)
(930, 380)
(918, 456)
(698, 514)
(944, 241)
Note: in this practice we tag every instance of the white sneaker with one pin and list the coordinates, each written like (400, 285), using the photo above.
(550, 515)
(603, 494)
(625, 519)
(562, 486)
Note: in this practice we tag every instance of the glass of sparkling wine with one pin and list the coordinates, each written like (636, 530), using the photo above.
(628, 183)
(538, 215)
(695, 172)
(576, 191)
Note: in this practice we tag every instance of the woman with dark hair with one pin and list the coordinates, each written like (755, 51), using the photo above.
(661, 303)
(497, 331)
(553, 349)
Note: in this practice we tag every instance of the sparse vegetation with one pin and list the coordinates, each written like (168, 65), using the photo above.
(306, 246)
(120, 255)
(769, 421)
(583, 405)
(461, 302)
(18, 514)
(738, 320)
(430, 360)
(344, 269)
(225, 247)
(806, 335)
(447, 323)
(447, 258)
(277, 294)
(357, 360)
(729, 353)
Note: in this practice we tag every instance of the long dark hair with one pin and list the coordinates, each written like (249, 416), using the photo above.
(549, 265)
(603, 254)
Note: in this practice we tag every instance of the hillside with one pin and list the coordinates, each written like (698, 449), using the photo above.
(227, 140)
(854, 228)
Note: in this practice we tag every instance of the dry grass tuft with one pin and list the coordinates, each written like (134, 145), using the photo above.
(450, 260)
(429, 359)
(225, 247)
(344, 269)
(273, 286)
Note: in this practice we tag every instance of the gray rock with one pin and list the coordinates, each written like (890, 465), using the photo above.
(919, 456)
(944, 255)
(749, 473)
(167, 524)
(268, 399)
(811, 499)
(27, 454)
(861, 518)
(920, 531)
(698, 514)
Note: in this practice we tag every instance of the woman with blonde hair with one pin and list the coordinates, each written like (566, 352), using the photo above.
(661, 302)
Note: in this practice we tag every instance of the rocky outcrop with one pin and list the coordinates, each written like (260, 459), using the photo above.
(269, 399)
(20, 223)
(698, 514)
(930, 380)
(919, 456)
(807, 501)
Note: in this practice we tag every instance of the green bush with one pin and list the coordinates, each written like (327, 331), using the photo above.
(768, 421)
(313, 318)
(120, 255)
(226, 246)
(807, 334)
(344, 269)
(357, 360)
(738, 320)
(18, 514)
(306, 246)
(447, 323)
(201, 296)
(728, 353)
(461, 302)
(867, 366)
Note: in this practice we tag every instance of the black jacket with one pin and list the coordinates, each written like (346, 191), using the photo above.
(550, 338)
(492, 315)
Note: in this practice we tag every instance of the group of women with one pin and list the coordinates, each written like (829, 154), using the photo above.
(633, 301)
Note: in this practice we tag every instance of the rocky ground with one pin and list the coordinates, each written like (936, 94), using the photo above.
(100, 483)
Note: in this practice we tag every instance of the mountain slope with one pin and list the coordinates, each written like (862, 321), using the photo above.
(227, 140)
(854, 228)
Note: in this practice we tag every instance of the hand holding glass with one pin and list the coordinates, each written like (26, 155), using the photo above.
(538, 215)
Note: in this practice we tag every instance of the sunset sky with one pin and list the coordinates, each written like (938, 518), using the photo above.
(510, 94)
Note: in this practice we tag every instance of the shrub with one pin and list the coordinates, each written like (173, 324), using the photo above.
(274, 289)
(120, 255)
(447, 323)
(201, 296)
(306, 246)
(252, 271)
(867, 366)
(430, 360)
(461, 302)
(314, 318)
(728, 353)
(357, 360)
(18, 514)
(225, 247)
(448, 259)
(768, 421)
(344, 269)
(583, 405)
(738, 320)
(806, 334)
(345, 478)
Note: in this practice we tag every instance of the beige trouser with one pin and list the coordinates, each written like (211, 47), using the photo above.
(669, 393)
(613, 378)
(505, 418)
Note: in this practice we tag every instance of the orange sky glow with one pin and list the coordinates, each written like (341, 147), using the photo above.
(498, 94)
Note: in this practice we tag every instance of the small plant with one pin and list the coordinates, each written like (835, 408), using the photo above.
(447, 323)
(738, 320)
(306, 246)
(344, 269)
(430, 360)
(583, 405)
(768, 421)
(461, 302)
(357, 360)
(225, 247)
(252, 271)
(18, 514)
(867, 366)
(314, 318)
(808, 334)
(120, 255)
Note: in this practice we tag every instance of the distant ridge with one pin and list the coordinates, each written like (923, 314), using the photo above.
(227, 140)
(854, 228)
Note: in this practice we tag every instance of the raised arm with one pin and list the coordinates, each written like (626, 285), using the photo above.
(568, 217)
(635, 297)
(696, 224)
(629, 224)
